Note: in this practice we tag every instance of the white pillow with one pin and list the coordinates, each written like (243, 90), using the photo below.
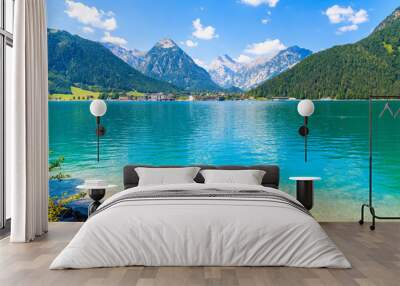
(166, 176)
(245, 177)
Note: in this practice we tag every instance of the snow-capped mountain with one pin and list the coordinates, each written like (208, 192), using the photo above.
(134, 58)
(227, 72)
(223, 70)
(168, 62)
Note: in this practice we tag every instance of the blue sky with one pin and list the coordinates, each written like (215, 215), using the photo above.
(243, 29)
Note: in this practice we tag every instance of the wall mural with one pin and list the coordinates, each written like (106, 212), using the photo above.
(218, 82)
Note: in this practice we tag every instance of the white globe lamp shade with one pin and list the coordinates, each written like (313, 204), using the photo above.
(98, 107)
(305, 108)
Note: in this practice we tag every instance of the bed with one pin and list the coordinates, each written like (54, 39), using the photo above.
(198, 224)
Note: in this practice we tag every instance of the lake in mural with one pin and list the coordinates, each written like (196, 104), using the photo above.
(185, 85)
(236, 132)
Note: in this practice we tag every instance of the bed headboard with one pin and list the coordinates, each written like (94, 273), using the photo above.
(271, 177)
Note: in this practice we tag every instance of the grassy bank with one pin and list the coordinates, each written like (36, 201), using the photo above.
(77, 94)
(82, 94)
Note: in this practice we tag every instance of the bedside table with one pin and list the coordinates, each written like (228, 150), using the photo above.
(305, 190)
(96, 192)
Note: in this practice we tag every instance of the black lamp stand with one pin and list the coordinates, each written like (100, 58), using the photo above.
(304, 131)
(100, 131)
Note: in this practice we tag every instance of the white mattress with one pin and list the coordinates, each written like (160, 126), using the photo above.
(200, 232)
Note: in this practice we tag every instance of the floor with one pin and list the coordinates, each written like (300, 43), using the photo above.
(4, 232)
(375, 257)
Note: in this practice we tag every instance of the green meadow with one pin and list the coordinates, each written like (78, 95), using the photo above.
(76, 94)
(83, 94)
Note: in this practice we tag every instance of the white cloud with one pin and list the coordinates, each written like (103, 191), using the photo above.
(91, 16)
(108, 38)
(200, 63)
(348, 28)
(268, 48)
(338, 14)
(255, 3)
(346, 15)
(190, 44)
(203, 33)
(243, 59)
(109, 13)
(87, 30)
(264, 21)
(360, 17)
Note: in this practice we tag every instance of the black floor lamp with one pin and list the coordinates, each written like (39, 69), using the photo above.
(305, 108)
(98, 108)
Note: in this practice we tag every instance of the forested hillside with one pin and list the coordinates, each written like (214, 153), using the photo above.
(74, 61)
(368, 67)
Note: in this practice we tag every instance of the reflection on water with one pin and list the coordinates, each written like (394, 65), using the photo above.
(243, 133)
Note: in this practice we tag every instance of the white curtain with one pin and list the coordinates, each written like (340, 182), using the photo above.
(27, 124)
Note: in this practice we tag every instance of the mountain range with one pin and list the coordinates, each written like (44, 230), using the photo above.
(75, 61)
(167, 62)
(227, 72)
(370, 66)
(134, 58)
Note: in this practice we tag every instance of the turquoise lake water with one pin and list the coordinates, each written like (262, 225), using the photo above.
(242, 133)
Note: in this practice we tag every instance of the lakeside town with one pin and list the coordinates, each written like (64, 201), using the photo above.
(160, 96)
(83, 95)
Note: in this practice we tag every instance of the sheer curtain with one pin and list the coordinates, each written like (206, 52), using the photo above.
(27, 133)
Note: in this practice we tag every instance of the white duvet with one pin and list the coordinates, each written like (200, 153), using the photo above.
(202, 232)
